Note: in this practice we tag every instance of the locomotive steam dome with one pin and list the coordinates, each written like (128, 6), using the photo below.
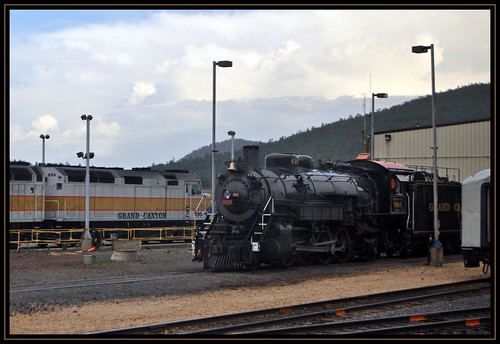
(288, 161)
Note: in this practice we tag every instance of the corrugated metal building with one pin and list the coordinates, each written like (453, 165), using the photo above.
(463, 148)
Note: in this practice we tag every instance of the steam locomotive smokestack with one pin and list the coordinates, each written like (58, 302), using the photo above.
(251, 156)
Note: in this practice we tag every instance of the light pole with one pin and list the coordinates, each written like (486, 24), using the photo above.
(44, 137)
(87, 157)
(223, 64)
(365, 136)
(372, 135)
(419, 49)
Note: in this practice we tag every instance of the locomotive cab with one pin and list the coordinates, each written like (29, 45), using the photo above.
(389, 184)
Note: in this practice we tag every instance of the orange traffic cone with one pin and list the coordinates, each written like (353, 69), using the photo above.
(92, 249)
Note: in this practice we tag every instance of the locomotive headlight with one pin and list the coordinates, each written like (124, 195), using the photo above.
(226, 194)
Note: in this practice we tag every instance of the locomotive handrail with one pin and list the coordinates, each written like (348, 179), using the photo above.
(251, 231)
(426, 168)
(199, 203)
(408, 218)
(270, 200)
(203, 198)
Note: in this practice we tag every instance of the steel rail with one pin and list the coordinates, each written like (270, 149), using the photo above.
(285, 312)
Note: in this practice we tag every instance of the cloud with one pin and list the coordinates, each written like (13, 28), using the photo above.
(141, 90)
(45, 123)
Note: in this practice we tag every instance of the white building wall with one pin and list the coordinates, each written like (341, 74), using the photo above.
(465, 147)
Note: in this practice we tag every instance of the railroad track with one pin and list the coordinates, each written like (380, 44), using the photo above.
(426, 310)
(96, 282)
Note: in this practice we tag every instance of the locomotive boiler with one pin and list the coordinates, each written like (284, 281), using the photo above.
(290, 212)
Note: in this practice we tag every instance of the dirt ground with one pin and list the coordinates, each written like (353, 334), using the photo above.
(102, 315)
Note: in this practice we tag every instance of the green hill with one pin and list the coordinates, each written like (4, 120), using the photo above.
(342, 140)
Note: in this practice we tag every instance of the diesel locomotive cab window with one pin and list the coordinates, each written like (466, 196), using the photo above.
(20, 174)
(196, 190)
(59, 186)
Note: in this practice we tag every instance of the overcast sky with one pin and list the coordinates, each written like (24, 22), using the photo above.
(146, 76)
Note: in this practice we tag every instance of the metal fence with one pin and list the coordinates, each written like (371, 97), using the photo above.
(72, 237)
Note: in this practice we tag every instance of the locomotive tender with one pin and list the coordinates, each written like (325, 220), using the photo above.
(52, 196)
(289, 212)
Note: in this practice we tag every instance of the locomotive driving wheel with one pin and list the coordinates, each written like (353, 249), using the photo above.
(327, 257)
(341, 248)
(305, 258)
(290, 261)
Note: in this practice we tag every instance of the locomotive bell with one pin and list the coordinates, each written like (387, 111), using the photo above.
(232, 166)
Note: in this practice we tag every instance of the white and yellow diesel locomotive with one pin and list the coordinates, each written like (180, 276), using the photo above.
(53, 196)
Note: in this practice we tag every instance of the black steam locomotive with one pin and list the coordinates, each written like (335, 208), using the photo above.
(292, 213)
